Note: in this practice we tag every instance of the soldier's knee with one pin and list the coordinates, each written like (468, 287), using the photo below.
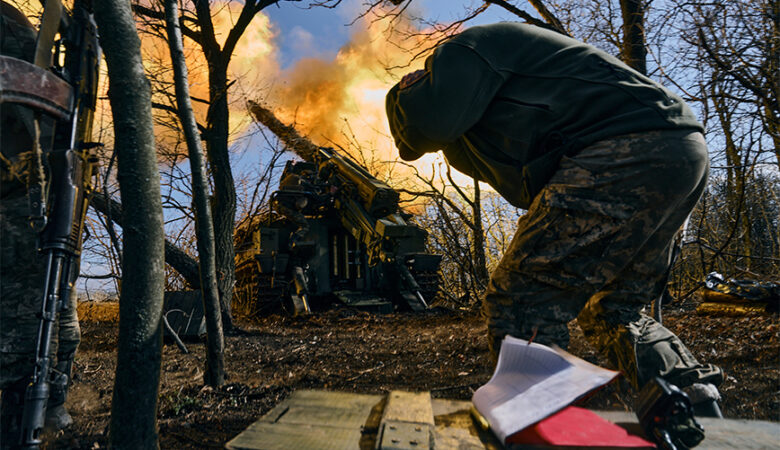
(68, 343)
(592, 321)
(498, 308)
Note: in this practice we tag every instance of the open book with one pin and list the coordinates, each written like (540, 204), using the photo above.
(531, 382)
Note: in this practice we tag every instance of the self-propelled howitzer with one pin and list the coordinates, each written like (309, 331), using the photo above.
(335, 232)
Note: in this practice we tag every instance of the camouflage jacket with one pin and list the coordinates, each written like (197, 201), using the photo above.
(17, 39)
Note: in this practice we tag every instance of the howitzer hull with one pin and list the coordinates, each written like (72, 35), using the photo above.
(342, 233)
(336, 270)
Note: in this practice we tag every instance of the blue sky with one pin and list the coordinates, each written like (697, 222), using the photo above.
(320, 32)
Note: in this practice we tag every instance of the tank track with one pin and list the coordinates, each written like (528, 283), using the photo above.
(271, 290)
(258, 294)
(429, 282)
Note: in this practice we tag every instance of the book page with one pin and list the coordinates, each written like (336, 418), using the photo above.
(531, 382)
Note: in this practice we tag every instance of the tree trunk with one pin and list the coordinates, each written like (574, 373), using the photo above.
(634, 52)
(136, 387)
(480, 260)
(174, 256)
(773, 69)
(224, 190)
(736, 174)
(214, 374)
(224, 201)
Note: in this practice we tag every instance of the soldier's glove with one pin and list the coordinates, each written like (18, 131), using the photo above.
(666, 415)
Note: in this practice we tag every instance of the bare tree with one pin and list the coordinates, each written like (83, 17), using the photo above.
(215, 358)
(740, 43)
(197, 25)
(449, 210)
(134, 406)
(728, 61)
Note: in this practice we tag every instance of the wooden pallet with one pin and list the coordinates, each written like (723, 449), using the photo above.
(313, 419)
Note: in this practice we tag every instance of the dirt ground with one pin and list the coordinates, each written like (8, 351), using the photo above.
(442, 351)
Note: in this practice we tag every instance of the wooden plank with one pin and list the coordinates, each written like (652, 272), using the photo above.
(324, 408)
(456, 429)
(341, 417)
(329, 398)
(718, 433)
(397, 435)
(409, 407)
(281, 436)
(407, 422)
(333, 420)
(457, 438)
(310, 419)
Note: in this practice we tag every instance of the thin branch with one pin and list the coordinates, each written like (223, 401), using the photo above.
(248, 13)
(173, 110)
(159, 15)
(548, 16)
(527, 17)
(743, 80)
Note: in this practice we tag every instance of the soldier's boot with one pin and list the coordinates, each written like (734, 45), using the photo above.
(11, 408)
(704, 397)
(57, 416)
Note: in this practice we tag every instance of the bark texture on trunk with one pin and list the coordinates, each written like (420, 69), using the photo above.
(224, 205)
(136, 386)
(217, 132)
(634, 52)
(480, 259)
(214, 374)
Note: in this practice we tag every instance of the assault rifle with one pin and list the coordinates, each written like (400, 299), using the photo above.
(67, 93)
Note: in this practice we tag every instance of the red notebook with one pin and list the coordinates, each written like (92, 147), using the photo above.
(577, 427)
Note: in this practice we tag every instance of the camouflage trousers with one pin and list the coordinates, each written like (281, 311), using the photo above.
(595, 245)
(22, 275)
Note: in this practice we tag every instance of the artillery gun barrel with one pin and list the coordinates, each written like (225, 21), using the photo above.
(289, 135)
(377, 197)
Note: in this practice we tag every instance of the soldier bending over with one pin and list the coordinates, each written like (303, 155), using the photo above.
(608, 163)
